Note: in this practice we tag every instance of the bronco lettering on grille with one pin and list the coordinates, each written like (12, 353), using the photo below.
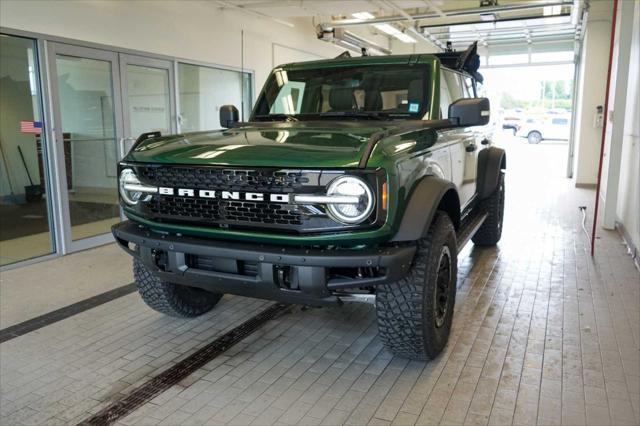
(225, 195)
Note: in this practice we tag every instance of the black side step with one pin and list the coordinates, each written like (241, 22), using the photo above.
(469, 227)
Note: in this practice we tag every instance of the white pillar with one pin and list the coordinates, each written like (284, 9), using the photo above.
(590, 92)
(616, 113)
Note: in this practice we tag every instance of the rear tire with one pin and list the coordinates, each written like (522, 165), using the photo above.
(491, 230)
(172, 299)
(415, 313)
(534, 137)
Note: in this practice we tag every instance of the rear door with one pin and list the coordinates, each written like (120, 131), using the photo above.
(464, 147)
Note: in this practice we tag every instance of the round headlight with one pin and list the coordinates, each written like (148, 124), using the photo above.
(131, 190)
(351, 186)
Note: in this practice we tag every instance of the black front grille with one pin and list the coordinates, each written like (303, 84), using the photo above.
(216, 264)
(227, 179)
(178, 208)
(185, 208)
(229, 206)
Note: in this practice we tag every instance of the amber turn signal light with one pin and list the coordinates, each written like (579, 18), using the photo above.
(384, 197)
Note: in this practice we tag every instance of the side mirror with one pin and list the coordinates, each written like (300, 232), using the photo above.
(229, 116)
(470, 112)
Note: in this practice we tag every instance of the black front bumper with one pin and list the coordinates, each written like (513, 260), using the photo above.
(285, 274)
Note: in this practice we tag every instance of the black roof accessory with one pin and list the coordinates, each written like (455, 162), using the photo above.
(467, 61)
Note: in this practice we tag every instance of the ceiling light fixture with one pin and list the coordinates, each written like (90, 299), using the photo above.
(386, 28)
(395, 32)
(362, 15)
(488, 17)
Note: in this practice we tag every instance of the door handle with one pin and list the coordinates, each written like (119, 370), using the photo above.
(470, 148)
(485, 141)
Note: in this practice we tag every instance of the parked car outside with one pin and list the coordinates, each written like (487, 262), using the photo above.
(537, 130)
(511, 122)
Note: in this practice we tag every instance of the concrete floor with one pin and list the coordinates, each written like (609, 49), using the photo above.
(34, 290)
(542, 334)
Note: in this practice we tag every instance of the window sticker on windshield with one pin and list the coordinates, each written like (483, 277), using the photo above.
(414, 107)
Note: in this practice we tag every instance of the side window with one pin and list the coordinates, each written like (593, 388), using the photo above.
(560, 121)
(450, 90)
(467, 84)
(445, 97)
(455, 86)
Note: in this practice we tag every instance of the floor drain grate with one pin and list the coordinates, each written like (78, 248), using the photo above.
(175, 374)
(63, 313)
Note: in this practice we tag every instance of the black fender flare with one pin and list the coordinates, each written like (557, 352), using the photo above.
(490, 163)
(428, 195)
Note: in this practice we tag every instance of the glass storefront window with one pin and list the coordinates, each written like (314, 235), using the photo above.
(563, 56)
(148, 99)
(203, 90)
(99, 97)
(25, 226)
(508, 59)
(89, 136)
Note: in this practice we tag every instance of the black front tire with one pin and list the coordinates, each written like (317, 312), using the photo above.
(416, 312)
(172, 299)
(491, 230)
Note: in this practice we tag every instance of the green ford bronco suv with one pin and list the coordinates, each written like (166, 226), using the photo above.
(355, 179)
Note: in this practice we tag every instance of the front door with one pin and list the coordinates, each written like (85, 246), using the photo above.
(148, 100)
(88, 125)
(102, 101)
(463, 145)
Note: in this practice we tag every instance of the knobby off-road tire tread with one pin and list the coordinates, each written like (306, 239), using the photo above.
(405, 325)
(491, 230)
(172, 299)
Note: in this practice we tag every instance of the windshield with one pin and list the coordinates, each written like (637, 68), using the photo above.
(398, 91)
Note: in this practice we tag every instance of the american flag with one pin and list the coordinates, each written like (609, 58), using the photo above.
(31, 127)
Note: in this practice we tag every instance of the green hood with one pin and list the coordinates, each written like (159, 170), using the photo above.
(297, 144)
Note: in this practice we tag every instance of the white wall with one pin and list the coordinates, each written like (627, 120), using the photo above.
(628, 206)
(196, 30)
(591, 91)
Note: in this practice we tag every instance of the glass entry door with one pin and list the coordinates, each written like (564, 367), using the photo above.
(87, 111)
(147, 96)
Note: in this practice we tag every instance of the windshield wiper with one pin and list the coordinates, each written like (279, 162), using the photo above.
(277, 117)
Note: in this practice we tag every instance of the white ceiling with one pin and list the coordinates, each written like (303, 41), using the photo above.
(458, 21)
(283, 9)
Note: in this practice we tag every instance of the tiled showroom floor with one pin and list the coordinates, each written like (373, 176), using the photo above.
(542, 334)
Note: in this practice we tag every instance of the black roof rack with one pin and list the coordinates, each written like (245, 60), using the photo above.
(467, 61)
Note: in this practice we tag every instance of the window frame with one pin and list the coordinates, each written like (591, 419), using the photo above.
(462, 84)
